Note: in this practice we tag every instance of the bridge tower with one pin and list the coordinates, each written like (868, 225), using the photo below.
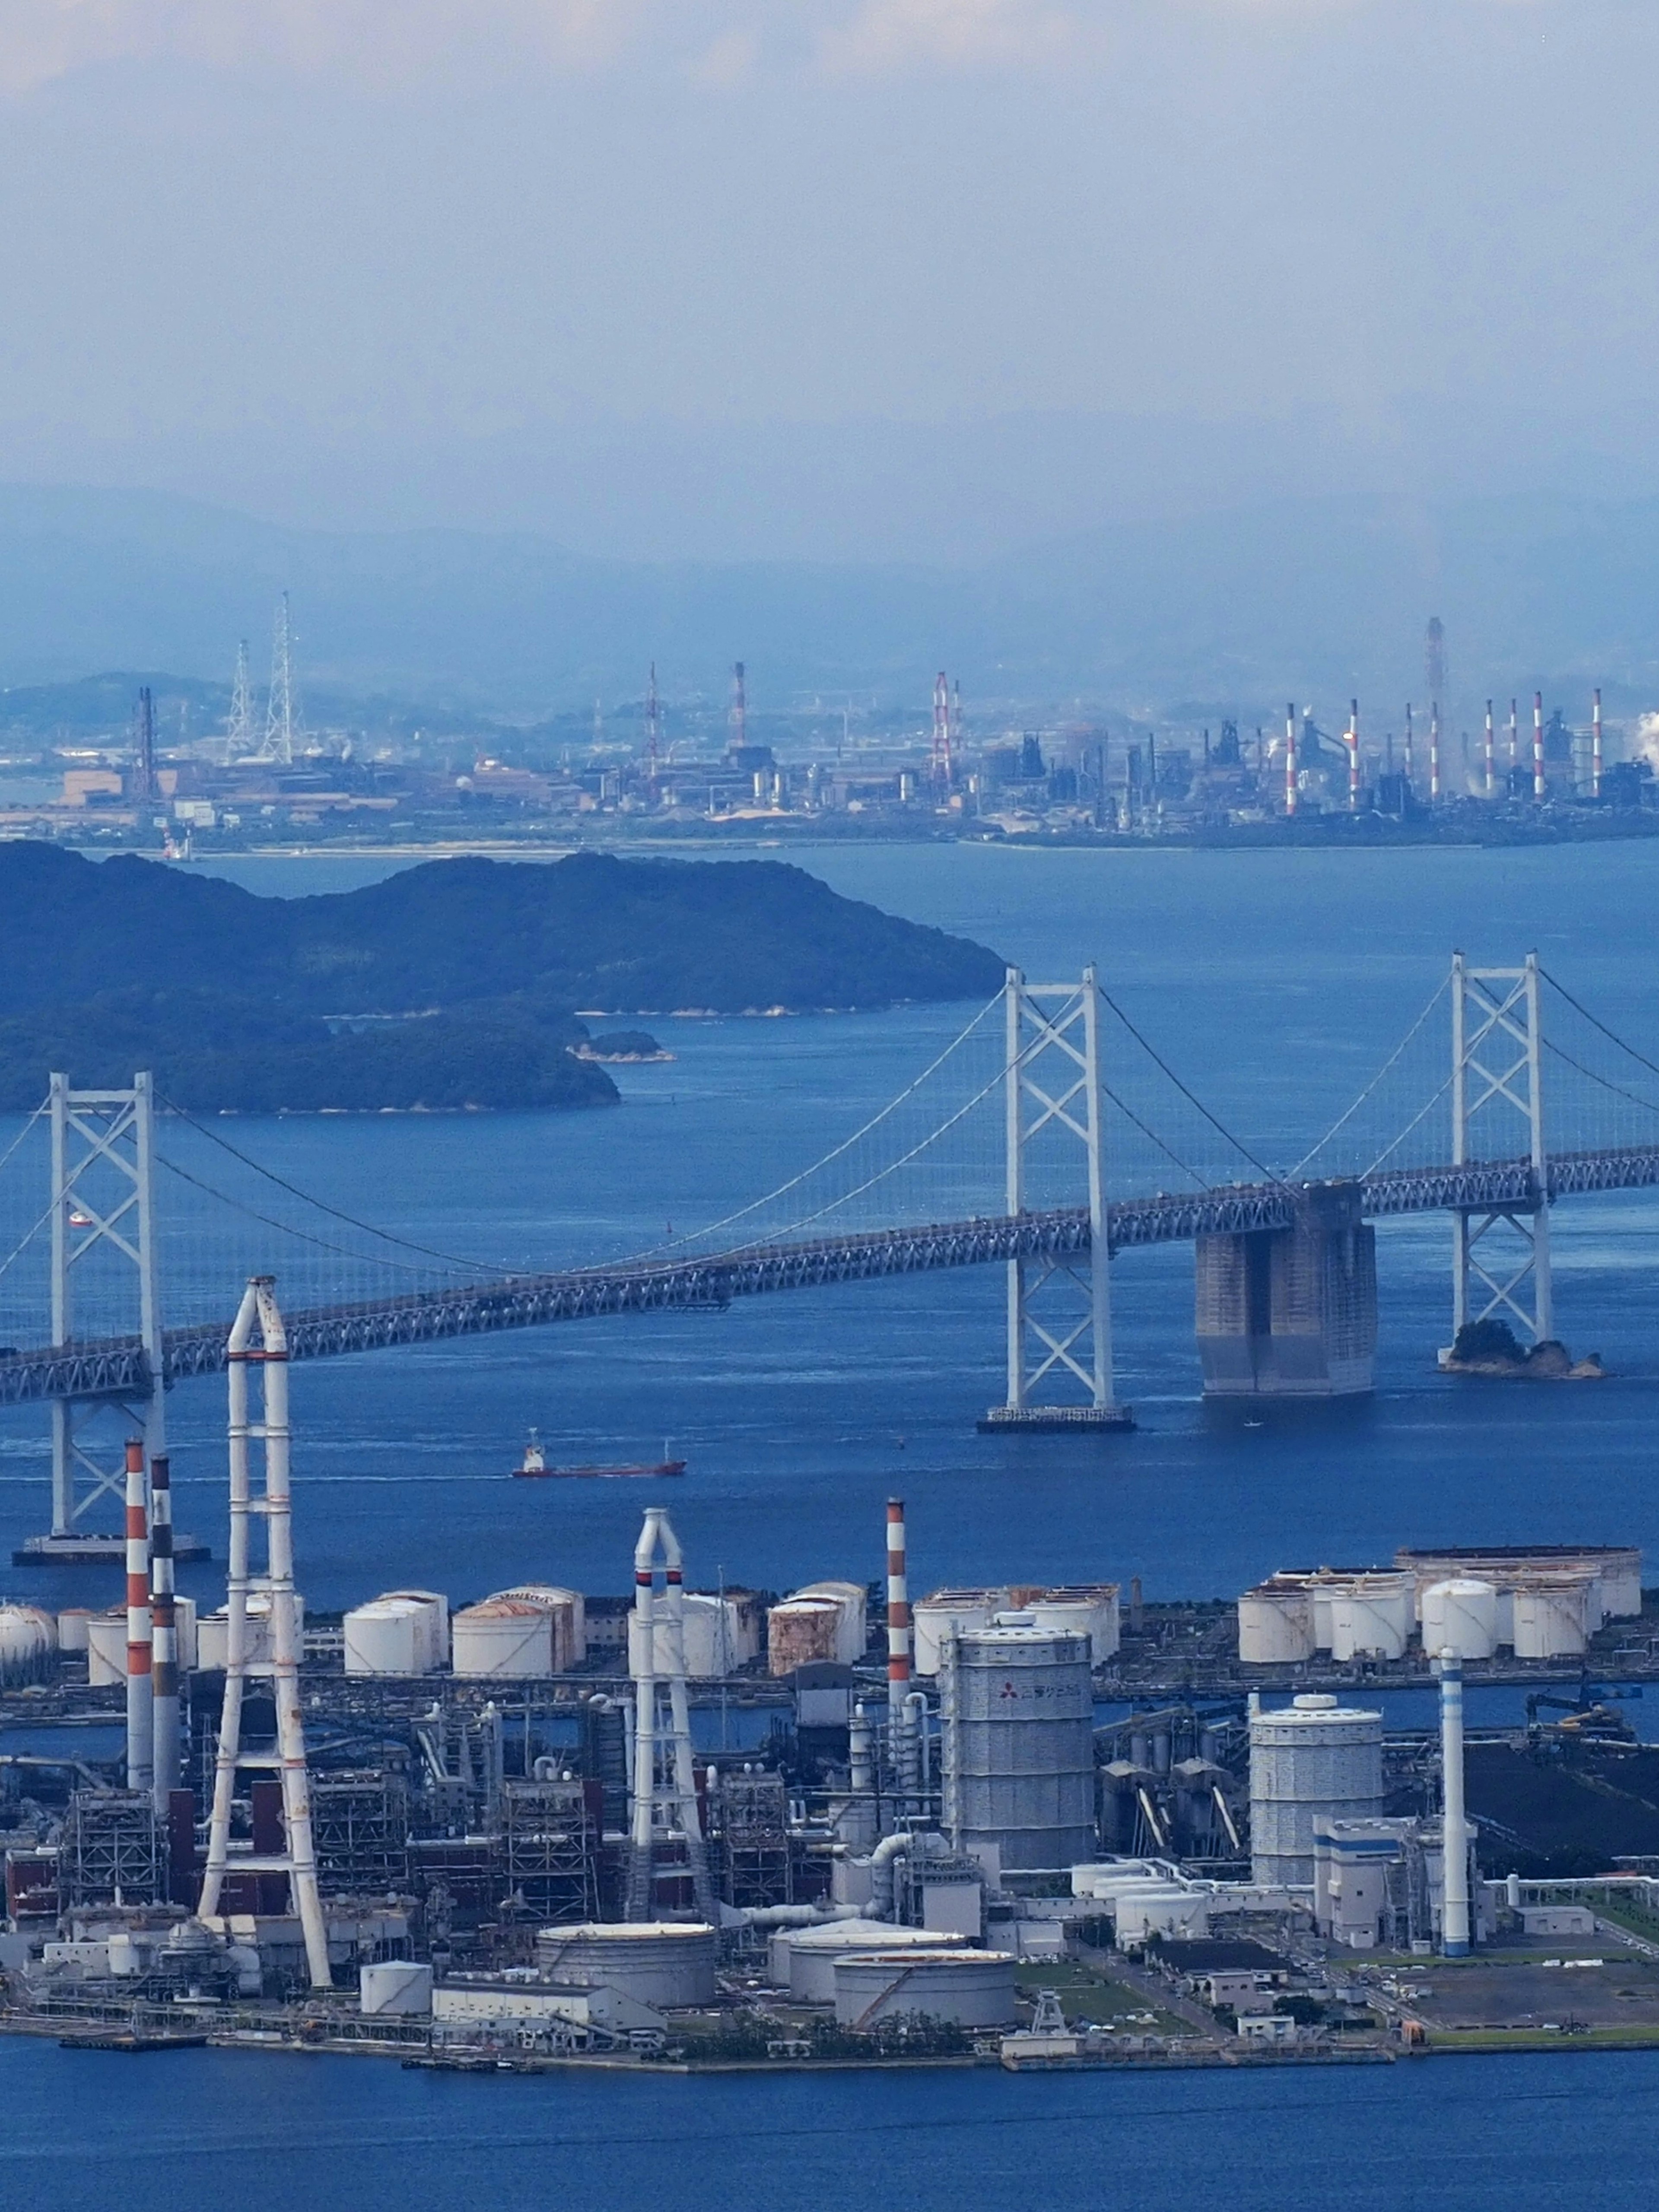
(1496, 1073)
(1060, 1308)
(102, 1211)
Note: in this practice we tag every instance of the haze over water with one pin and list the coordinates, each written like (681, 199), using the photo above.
(1274, 984)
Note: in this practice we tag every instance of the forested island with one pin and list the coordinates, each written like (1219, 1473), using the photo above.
(460, 983)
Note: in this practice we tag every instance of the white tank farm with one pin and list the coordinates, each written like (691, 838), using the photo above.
(852, 1600)
(570, 1611)
(395, 1636)
(502, 1638)
(1460, 1615)
(1088, 1609)
(950, 1613)
(213, 1633)
(718, 1637)
(802, 1959)
(1614, 1569)
(1312, 1758)
(1276, 1624)
(1551, 1617)
(107, 1643)
(72, 1627)
(662, 1963)
(1372, 1616)
(1017, 1713)
(28, 1644)
(436, 1605)
(971, 1988)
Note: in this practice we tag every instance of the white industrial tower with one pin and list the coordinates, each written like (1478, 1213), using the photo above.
(280, 1660)
(283, 720)
(665, 1792)
(238, 731)
(1497, 1048)
(1060, 1305)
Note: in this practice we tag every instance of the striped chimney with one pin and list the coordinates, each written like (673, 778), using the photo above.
(140, 1718)
(1487, 757)
(1538, 784)
(1434, 755)
(1595, 747)
(898, 1602)
(164, 1625)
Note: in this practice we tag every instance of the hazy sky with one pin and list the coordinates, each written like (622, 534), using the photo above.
(746, 276)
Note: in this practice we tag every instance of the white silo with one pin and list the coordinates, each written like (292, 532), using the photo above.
(1551, 1617)
(1276, 1624)
(1461, 1615)
(1372, 1616)
(1311, 1757)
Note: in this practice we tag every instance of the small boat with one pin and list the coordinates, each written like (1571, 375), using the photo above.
(534, 1467)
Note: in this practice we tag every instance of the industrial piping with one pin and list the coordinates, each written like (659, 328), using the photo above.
(164, 1627)
(141, 1727)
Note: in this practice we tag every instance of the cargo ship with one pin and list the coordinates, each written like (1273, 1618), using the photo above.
(534, 1467)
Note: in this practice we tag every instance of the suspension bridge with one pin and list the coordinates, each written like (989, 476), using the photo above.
(1018, 1146)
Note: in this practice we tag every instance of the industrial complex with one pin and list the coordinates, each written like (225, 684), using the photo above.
(1029, 1825)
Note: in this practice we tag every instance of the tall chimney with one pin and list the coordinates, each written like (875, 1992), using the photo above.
(1434, 756)
(1353, 757)
(1595, 746)
(1290, 758)
(1538, 744)
(1454, 1834)
(898, 1605)
(1491, 772)
(164, 1622)
(141, 1727)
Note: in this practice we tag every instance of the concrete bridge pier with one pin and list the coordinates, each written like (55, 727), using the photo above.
(1291, 1313)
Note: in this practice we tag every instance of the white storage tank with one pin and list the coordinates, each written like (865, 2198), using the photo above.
(107, 1643)
(435, 1606)
(1551, 1617)
(972, 1988)
(72, 1627)
(213, 1633)
(28, 1644)
(504, 1637)
(1461, 1615)
(1314, 1757)
(803, 1959)
(662, 1963)
(1372, 1616)
(570, 1619)
(1088, 1609)
(396, 1987)
(1276, 1624)
(718, 1635)
(951, 1613)
(1160, 1909)
(390, 1636)
(852, 1634)
(1017, 1726)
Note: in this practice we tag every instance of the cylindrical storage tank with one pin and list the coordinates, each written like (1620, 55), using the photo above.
(435, 1606)
(503, 1636)
(389, 1636)
(72, 1627)
(184, 1630)
(213, 1633)
(1621, 1572)
(1016, 1712)
(1163, 1909)
(1460, 1615)
(802, 1632)
(28, 1644)
(950, 1613)
(808, 1955)
(1083, 1610)
(394, 1986)
(1372, 1616)
(1550, 1618)
(107, 1649)
(1319, 1597)
(971, 1988)
(852, 1633)
(657, 1962)
(712, 1637)
(1275, 1627)
(570, 1630)
(1313, 1757)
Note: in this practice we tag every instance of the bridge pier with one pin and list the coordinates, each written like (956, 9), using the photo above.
(1291, 1313)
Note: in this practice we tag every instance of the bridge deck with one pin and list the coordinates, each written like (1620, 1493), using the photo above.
(118, 1367)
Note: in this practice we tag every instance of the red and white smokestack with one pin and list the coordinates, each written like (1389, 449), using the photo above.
(1515, 736)
(140, 1726)
(1489, 763)
(898, 1606)
(1595, 746)
(1353, 757)
(164, 1631)
(1411, 753)
(1538, 744)
(1434, 755)
(1290, 758)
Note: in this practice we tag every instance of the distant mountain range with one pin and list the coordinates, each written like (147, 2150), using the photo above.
(1229, 611)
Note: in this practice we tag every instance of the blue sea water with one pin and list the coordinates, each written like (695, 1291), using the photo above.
(1276, 983)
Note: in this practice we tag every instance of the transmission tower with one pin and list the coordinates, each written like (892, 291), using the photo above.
(282, 722)
(143, 744)
(652, 734)
(238, 732)
(944, 764)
